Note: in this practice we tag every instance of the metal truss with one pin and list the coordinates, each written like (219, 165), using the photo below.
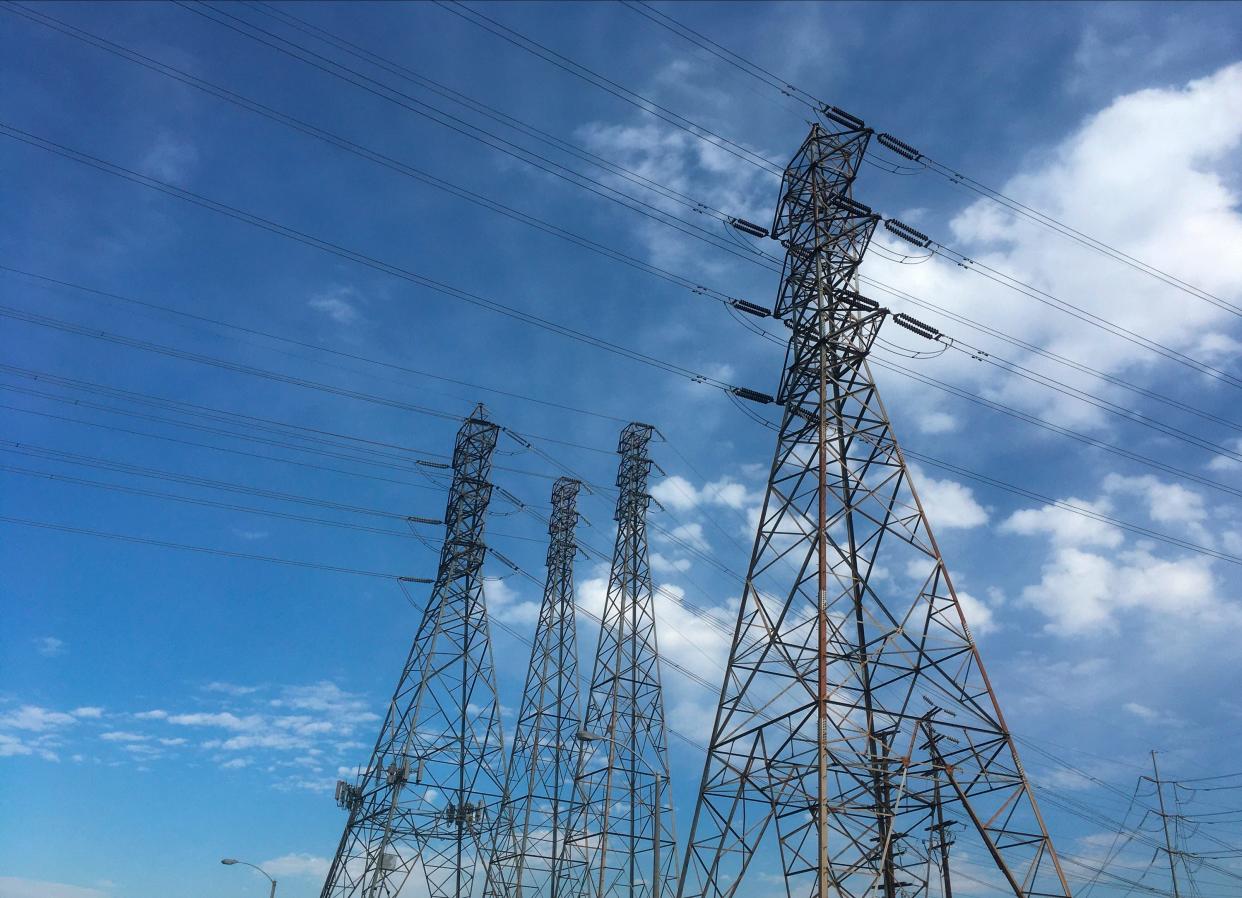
(432, 791)
(622, 839)
(530, 856)
(856, 718)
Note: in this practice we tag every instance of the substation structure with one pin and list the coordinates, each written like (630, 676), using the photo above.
(858, 747)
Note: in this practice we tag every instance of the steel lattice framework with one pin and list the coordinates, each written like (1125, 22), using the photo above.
(623, 839)
(855, 718)
(431, 794)
(530, 856)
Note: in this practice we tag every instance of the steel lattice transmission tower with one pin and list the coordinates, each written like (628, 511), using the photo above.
(623, 839)
(431, 794)
(530, 857)
(856, 719)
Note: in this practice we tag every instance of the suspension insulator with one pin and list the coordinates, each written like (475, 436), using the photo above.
(900, 147)
(415, 580)
(905, 232)
(749, 227)
(750, 308)
(845, 202)
(414, 519)
(752, 395)
(841, 117)
(857, 302)
(901, 319)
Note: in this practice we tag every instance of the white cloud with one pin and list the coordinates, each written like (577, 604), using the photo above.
(949, 504)
(1082, 593)
(156, 714)
(504, 603)
(692, 535)
(1153, 174)
(223, 719)
(235, 764)
(934, 423)
(87, 713)
(662, 565)
(230, 688)
(338, 303)
(1064, 527)
(49, 646)
(123, 736)
(978, 615)
(297, 865)
(1140, 711)
(34, 719)
(15, 887)
(1167, 503)
(170, 158)
(679, 494)
(1224, 462)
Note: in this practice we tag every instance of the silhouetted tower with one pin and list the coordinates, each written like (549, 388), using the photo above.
(530, 856)
(431, 794)
(855, 715)
(623, 831)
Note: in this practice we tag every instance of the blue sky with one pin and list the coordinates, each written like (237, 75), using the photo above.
(160, 709)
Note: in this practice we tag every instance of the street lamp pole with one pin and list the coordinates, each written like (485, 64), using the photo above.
(230, 861)
(656, 835)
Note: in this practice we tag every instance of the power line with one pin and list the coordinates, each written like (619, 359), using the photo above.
(354, 256)
(95, 333)
(637, 100)
(1014, 206)
(559, 232)
(164, 544)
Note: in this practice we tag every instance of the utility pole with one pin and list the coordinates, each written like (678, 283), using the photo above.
(849, 629)
(431, 795)
(620, 783)
(530, 857)
(1164, 818)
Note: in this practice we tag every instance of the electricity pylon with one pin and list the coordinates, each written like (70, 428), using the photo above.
(431, 794)
(855, 716)
(622, 838)
(530, 857)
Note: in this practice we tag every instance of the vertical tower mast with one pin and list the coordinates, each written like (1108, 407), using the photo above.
(854, 689)
(431, 794)
(530, 857)
(623, 833)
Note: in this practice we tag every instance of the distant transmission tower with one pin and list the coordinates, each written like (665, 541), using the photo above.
(856, 719)
(431, 794)
(623, 835)
(530, 856)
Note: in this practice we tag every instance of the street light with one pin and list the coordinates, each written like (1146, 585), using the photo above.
(588, 736)
(230, 861)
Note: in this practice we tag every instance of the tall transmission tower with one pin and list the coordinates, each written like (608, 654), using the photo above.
(530, 857)
(623, 833)
(856, 718)
(431, 794)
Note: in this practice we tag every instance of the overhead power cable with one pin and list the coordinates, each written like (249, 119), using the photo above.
(386, 161)
(98, 334)
(454, 123)
(226, 553)
(357, 257)
(1077, 436)
(477, 106)
(921, 160)
(684, 282)
(623, 93)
